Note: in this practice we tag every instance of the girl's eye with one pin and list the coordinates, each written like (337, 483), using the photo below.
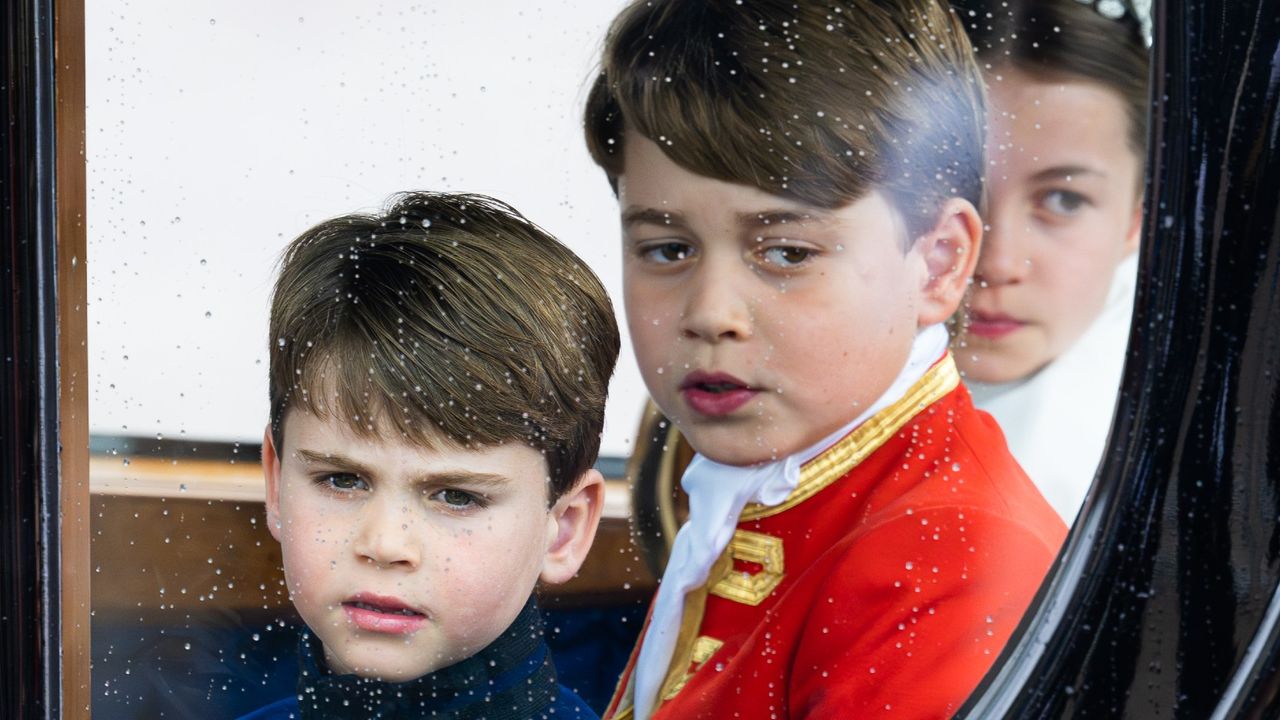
(1063, 202)
(787, 256)
(668, 252)
(458, 499)
(344, 482)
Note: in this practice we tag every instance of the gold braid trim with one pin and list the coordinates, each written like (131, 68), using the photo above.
(845, 455)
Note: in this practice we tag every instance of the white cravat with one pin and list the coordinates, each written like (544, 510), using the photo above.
(717, 494)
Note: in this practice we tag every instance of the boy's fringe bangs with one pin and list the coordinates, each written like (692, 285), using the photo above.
(387, 391)
(823, 132)
(408, 337)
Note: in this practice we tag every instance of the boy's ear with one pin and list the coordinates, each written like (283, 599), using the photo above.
(271, 473)
(574, 519)
(950, 253)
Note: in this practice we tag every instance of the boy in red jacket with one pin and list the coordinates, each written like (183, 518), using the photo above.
(797, 185)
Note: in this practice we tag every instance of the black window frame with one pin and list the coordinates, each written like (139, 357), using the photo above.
(1164, 600)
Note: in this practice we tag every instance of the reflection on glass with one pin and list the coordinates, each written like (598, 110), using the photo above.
(1042, 342)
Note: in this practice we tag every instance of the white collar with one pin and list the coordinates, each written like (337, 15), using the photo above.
(717, 494)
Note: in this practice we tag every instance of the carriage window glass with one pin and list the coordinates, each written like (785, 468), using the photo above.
(219, 132)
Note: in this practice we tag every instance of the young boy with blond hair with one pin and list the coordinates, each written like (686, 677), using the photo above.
(438, 379)
(798, 185)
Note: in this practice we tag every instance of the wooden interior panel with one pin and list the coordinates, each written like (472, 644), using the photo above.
(158, 556)
(73, 364)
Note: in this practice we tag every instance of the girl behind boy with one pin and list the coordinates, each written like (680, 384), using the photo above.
(1048, 320)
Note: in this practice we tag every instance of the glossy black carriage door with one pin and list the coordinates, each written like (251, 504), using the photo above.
(29, 620)
(1164, 604)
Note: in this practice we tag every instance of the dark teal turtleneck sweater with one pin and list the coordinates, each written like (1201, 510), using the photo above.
(511, 679)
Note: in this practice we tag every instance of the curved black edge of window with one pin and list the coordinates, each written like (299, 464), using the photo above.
(30, 629)
(1163, 603)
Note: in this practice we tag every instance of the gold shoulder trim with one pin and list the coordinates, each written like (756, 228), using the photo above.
(687, 642)
(766, 550)
(845, 455)
(703, 648)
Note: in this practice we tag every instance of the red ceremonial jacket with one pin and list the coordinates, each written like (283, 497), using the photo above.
(884, 586)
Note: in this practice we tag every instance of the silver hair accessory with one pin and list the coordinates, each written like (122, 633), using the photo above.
(1138, 10)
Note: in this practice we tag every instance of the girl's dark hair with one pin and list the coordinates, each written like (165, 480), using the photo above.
(1056, 39)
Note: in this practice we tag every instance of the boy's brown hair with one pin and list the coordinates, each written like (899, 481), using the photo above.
(819, 102)
(448, 316)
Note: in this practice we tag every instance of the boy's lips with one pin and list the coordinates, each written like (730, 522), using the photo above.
(992, 326)
(382, 614)
(715, 393)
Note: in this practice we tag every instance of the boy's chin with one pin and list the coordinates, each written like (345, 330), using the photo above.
(726, 447)
(384, 666)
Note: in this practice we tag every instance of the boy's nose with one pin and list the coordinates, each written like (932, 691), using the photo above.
(386, 536)
(1004, 258)
(715, 309)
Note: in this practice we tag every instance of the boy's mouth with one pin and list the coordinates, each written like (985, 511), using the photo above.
(715, 394)
(380, 609)
(382, 614)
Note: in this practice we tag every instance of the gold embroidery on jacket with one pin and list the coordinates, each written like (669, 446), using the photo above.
(747, 588)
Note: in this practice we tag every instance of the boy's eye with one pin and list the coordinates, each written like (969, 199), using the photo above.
(787, 256)
(1063, 202)
(667, 252)
(345, 482)
(458, 499)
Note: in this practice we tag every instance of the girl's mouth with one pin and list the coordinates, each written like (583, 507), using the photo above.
(992, 326)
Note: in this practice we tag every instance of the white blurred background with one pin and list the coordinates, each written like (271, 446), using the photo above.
(217, 131)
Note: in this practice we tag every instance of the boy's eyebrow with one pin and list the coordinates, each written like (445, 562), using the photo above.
(651, 216)
(443, 477)
(1063, 172)
(333, 459)
(783, 217)
(466, 478)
